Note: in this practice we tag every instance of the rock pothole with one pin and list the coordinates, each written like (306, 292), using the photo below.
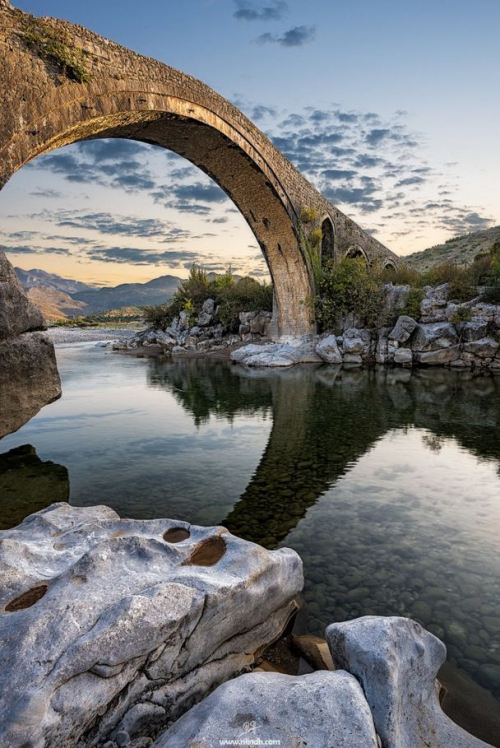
(27, 599)
(208, 552)
(176, 535)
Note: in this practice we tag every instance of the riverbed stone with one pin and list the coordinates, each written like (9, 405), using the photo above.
(396, 661)
(281, 354)
(434, 336)
(356, 341)
(328, 350)
(206, 314)
(473, 329)
(433, 305)
(102, 614)
(403, 356)
(315, 710)
(439, 357)
(403, 329)
(484, 347)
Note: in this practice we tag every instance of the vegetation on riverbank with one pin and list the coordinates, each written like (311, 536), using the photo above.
(115, 318)
(232, 295)
(350, 287)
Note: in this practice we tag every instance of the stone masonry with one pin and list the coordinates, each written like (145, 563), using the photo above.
(61, 83)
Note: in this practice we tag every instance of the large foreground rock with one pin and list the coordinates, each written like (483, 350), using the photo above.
(320, 710)
(111, 628)
(28, 371)
(28, 378)
(17, 313)
(397, 661)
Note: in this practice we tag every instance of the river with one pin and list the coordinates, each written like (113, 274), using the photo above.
(387, 482)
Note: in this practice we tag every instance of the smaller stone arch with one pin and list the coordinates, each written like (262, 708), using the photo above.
(389, 266)
(356, 252)
(327, 240)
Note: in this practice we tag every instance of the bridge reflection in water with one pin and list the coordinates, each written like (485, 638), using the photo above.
(324, 420)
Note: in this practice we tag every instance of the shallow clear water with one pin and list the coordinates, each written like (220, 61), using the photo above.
(386, 482)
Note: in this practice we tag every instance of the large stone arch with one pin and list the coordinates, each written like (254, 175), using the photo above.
(48, 103)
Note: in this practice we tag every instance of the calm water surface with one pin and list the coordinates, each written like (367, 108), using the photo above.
(386, 482)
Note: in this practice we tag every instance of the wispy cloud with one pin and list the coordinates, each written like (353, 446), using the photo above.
(294, 37)
(249, 11)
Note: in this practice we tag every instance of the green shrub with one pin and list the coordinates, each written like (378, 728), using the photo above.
(244, 295)
(349, 287)
(412, 306)
(230, 294)
(462, 314)
(404, 275)
(491, 294)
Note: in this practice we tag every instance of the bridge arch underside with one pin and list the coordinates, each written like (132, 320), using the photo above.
(220, 151)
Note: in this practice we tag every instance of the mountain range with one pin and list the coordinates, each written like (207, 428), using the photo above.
(62, 298)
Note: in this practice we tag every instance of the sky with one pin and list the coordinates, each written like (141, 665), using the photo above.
(390, 108)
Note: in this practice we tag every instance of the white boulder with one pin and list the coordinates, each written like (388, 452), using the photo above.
(328, 350)
(397, 661)
(111, 627)
(318, 710)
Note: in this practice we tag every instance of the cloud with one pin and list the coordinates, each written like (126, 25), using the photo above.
(112, 149)
(249, 11)
(198, 198)
(38, 192)
(377, 135)
(135, 256)
(108, 162)
(107, 223)
(203, 193)
(409, 181)
(23, 249)
(262, 112)
(294, 37)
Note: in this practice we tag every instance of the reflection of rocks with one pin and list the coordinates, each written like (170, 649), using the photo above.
(27, 484)
(111, 628)
(28, 371)
(397, 661)
(316, 710)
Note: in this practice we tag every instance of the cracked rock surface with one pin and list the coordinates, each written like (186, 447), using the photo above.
(319, 710)
(111, 628)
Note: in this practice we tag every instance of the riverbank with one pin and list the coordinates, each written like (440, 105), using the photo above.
(431, 331)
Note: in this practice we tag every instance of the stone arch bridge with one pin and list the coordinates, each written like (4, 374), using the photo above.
(61, 83)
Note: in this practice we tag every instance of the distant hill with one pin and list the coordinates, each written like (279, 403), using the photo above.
(35, 278)
(156, 291)
(461, 250)
(55, 305)
(62, 298)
